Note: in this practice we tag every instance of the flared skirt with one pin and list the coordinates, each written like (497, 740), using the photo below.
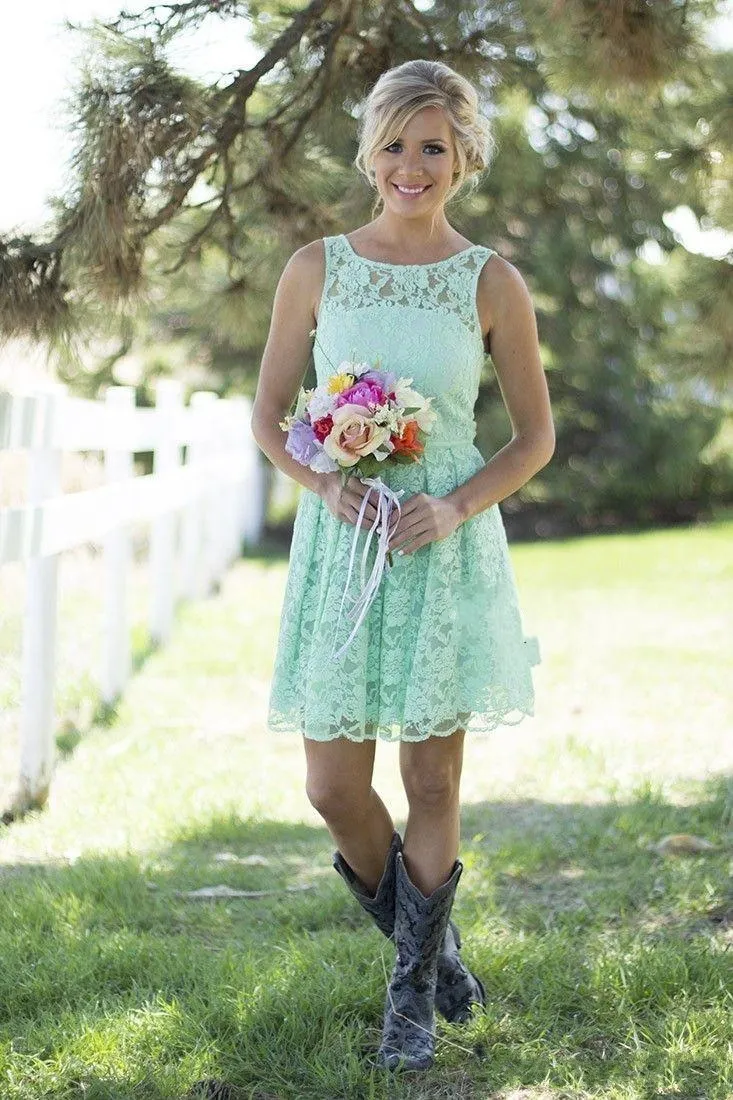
(441, 646)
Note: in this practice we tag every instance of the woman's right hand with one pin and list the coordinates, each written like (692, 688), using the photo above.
(344, 500)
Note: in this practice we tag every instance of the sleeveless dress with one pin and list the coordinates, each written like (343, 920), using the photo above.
(441, 647)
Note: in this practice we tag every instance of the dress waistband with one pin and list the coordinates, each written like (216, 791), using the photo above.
(431, 444)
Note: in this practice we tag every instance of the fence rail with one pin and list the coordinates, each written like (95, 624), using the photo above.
(201, 511)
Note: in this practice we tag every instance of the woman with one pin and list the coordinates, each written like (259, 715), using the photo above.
(441, 650)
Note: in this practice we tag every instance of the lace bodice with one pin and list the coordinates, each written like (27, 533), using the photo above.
(429, 305)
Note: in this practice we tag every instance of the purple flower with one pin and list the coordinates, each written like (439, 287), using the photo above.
(385, 379)
(302, 442)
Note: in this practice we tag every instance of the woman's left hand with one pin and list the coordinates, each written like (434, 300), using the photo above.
(424, 519)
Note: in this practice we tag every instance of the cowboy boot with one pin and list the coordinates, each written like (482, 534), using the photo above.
(381, 906)
(408, 1039)
(457, 988)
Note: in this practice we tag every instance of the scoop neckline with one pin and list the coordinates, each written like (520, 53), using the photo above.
(386, 263)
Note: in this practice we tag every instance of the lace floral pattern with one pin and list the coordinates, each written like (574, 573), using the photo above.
(442, 646)
(354, 282)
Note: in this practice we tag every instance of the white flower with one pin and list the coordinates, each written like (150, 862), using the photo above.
(387, 418)
(402, 386)
(408, 398)
(321, 402)
(322, 463)
(426, 416)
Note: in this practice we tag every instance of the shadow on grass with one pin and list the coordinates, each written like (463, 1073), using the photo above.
(605, 963)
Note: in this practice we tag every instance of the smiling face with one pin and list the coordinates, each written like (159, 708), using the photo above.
(414, 174)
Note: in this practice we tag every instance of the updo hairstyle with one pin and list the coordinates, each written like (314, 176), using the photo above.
(405, 89)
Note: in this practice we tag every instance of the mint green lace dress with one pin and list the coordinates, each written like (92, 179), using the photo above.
(442, 645)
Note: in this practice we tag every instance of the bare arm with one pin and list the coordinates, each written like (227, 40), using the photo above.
(283, 367)
(285, 360)
(516, 356)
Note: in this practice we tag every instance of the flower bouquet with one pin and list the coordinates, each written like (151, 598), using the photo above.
(361, 417)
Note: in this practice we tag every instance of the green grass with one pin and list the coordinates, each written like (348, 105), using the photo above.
(608, 967)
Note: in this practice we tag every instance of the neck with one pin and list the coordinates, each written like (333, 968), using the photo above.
(412, 233)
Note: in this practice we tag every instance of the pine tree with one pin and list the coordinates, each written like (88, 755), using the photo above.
(608, 113)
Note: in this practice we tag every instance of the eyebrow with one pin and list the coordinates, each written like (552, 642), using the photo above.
(426, 139)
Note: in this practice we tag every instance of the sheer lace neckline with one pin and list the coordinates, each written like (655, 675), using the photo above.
(386, 263)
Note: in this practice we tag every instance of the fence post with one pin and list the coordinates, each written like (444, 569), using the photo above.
(212, 494)
(167, 457)
(39, 634)
(219, 502)
(223, 510)
(253, 484)
(238, 407)
(118, 466)
(195, 582)
(232, 526)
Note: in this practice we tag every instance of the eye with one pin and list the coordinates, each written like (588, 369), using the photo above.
(430, 145)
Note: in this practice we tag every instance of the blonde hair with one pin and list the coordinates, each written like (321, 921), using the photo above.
(405, 89)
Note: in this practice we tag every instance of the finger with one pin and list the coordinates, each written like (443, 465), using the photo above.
(415, 544)
(372, 502)
(405, 539)
(409, 524)
(353, 517)
(370, 512)
(406, 509)
(395, 520)
(354, 500)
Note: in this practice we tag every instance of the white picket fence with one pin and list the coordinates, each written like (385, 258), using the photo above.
(201, 513)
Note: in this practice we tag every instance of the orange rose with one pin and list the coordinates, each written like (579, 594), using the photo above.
(408, 443)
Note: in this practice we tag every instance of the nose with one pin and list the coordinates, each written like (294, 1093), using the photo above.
(411, 164)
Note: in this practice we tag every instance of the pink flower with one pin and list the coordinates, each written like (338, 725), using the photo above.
(354, 435)
(362, 393)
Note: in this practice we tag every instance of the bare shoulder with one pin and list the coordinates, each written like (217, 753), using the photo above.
(305, 273)
(501, 289)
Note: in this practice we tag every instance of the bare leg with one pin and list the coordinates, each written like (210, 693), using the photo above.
(339, 786)
(431, 773)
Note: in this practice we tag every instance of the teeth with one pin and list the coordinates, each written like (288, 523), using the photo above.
(410, 190)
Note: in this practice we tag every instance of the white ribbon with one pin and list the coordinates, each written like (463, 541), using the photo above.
(387, 499)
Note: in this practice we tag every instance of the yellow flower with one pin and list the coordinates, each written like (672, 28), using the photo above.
(339, 382)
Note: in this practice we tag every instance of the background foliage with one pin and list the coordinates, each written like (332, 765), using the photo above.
(186, 201)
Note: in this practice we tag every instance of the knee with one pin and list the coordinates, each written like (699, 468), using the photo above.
(432, 788)
(335, 801)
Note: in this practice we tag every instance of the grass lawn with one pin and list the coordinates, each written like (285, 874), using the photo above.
(608, 965)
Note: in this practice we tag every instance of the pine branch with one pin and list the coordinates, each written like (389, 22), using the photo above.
(238, 92)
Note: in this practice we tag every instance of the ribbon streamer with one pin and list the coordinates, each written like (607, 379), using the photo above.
(387, 499)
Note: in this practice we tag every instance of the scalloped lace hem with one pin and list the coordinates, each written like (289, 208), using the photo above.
(481, 722)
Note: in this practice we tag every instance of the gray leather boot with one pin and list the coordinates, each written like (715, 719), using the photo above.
(381, 906)
(408, 1038)
(457, 987)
